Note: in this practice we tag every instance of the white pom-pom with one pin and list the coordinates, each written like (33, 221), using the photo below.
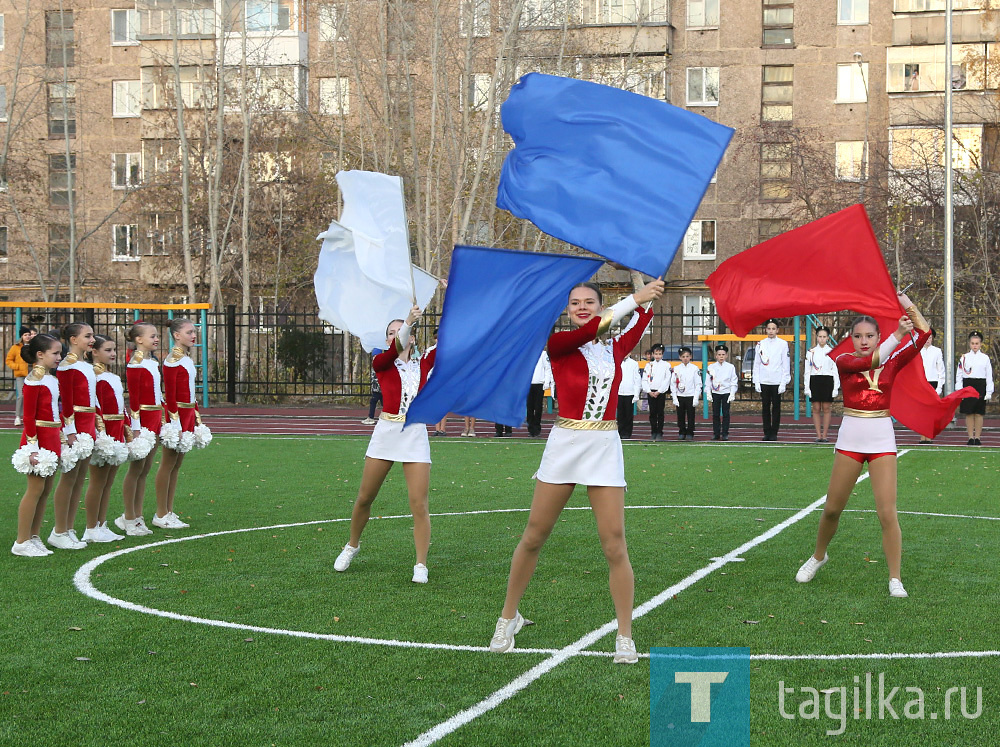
(143, 442)
(21, 459)
(108, 451)
(121, 453)
(83, 445)
(202, 436)
(68, 459)
(48, 463)
(170, 435)
(186, 443)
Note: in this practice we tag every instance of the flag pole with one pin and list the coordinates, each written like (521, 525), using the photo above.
(949, 215)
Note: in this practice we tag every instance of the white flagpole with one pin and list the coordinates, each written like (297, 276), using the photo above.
(949, 213)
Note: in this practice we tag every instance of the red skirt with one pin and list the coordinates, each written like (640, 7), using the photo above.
(48, 438)
(86, 422)
(151, 419)
(188, 418)
(115, 429)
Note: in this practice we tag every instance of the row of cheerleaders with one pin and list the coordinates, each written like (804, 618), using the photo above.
(584, 447)
(75, 422)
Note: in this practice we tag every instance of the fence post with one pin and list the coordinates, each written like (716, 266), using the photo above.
(204, 358)
(798, 363)
(231, 353)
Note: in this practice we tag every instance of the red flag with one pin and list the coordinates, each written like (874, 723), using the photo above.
(831, 264)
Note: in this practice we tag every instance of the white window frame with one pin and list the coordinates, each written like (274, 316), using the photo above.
(707, 75)
(132, 25)
(477, 90)
(856, 9)
(479, 13)
(700, 14)
(844, 152)
(3, 32)
(4, 246)
(122, 96)
(335, 96)
(3, 102)
(131, 235)
(273, 25)
(693, 240)
(332, 20)
(705, 311)
(852, 83)
(131, 160)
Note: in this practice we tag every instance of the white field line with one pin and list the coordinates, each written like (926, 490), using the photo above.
(462, 718)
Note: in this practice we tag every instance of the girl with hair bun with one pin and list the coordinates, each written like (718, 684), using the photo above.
(41, 442)
(821, 382)
(183, 430)
(78, 397)
(975, 370)
(110, 449)
(142, 376)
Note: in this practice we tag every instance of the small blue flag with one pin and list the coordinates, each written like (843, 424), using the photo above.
(608, 170)
(499, 310)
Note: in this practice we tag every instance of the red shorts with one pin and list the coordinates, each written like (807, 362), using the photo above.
(857, 456)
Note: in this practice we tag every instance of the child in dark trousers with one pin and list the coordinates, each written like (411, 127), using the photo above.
(685, 389)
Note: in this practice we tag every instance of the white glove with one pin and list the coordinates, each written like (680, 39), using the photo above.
(757, 388)
(808, 393)
(781, 389)
(676, 403)
(988, 398)
(835, 393)
(731, 398)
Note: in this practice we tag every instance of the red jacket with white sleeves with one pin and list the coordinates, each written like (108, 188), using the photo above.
(143, 379)
(570, 354)
(178, 387)
(41, 404)
(111, 404)
(78, 396)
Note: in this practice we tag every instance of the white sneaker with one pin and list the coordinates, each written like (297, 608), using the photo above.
(65, 541)
(896, 588)
(503, 636)
(72, 533)
(107, 534)
(420, 573)
(40, 545)
(178, 523)
(27, 549)
(808, 570)
(625, 652)
(92, 535)
(121, 522)
(137, 527)
(17, 422)
(343, 561)
(369, 421)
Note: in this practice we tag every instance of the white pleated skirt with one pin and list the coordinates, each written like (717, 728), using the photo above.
(392, 442)
(583, 457)
(866, 435)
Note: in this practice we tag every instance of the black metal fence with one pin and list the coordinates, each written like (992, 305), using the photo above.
(292, 356)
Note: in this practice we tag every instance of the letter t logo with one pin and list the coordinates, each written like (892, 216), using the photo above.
(701, 692)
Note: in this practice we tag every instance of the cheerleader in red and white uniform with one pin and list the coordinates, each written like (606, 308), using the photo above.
(184, 429)
(866, 435)
(400, 377)
(142, 375)
(78, 398)
(41, 442)
(110, 449)
(584, 448)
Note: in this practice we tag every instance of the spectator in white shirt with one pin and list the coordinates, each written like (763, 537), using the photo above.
(541, 380)
(822, 382)
(975, 370)
(685, 390)
(723, 384)
(933, 361)
(628, 395)
(771, 374)
(656, 384)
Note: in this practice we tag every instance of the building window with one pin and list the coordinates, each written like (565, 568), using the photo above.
(3, 243)
(768, 228)
(125, 246)
(159, 157)
(334, 96)
(270, 15)
(776, 94)
(699, 240)
(703, 86)
(3, 103)
(475, 15)
(126, 98)
(703, 14)
(62, 179)
(699, 315)
(477, 91)
(58, 250)
(158, 87)
(62, 109)
(778, 23)
(852, 83)
(2, 38)
(922, 148)
(851, 165)
(544, 13)
(775, 171)
(124, 27)
(921, 6)
(196, 19)
(604, 12)
(332, 22)
(851, 12)
(60, 49)
(271, 167)
(922, 68)
(126, 170)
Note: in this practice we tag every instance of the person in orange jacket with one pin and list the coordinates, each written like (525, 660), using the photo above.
(18, 365)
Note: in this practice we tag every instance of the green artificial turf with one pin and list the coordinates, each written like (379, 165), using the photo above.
(79, 671)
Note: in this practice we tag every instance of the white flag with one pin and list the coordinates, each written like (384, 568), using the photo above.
(362, 280)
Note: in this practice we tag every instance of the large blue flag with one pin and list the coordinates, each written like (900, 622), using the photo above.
(499, 310)
(611, 171)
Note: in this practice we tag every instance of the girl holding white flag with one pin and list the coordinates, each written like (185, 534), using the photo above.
(584, 448)
(400, 377)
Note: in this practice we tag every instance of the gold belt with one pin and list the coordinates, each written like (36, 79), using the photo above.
(81, 408)
(866, 413)
(47, 424)
(151, 408)
(393, 417)
(113, 417)
(187, 405)
(587, 425)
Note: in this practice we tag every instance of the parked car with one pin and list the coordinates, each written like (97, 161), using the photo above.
(746, 367)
